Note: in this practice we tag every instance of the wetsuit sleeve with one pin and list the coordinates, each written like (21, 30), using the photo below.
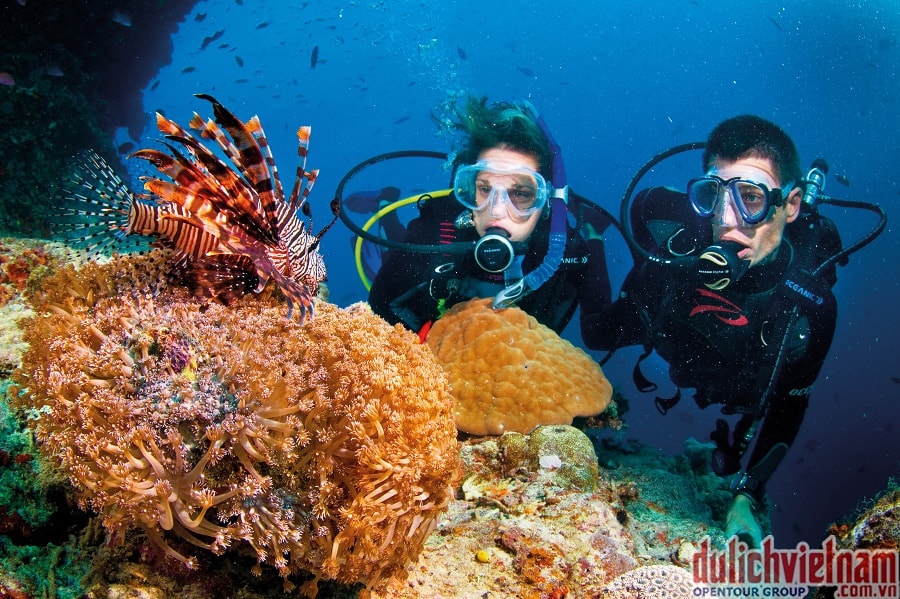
(594, 292)
(657, 215)
(789, 400)
(393, 294)
(625, 321)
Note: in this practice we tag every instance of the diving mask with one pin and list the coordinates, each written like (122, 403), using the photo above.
(486, 185)
(753, 200)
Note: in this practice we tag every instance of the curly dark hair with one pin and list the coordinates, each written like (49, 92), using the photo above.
(501, 124)
(752, 136)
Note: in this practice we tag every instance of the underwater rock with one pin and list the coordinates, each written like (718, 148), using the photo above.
(47, 118)
(562, 454)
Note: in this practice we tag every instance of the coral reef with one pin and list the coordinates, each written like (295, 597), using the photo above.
(874, 525)
(327, 448)
(520, 530)
(23, 264)
(508, 372)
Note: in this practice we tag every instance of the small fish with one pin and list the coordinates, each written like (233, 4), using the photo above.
(54, 71)
(239, 61)
(7, 79)
(842, 179)
(155, 85)
(188, 69)
(200, 17)
(895, 379)
(402, 119)
(211, 38)
(462, 53)
(121, 18)
(774, 22)
(526, 72)
(125, 147)
(264, 24)
(314, 57)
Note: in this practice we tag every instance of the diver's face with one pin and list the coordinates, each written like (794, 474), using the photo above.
(497, 215)
(760, 241)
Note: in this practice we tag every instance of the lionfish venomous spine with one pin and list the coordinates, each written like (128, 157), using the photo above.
(231, 226)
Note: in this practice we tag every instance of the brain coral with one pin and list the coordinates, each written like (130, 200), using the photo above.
(508, 372)
(651, 582)
(327, 448)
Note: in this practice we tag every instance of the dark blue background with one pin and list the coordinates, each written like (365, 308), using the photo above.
(617, 82)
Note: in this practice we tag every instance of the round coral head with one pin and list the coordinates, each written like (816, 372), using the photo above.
(508, 372)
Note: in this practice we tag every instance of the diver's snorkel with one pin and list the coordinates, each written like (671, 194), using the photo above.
(557, 246)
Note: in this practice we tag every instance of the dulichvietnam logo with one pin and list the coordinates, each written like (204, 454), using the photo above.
(738, 571)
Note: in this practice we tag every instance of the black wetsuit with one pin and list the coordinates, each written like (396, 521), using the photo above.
(723, 344)
(407, 288)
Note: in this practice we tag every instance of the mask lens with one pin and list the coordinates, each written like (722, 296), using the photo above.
(752, 200)
(480, 185)
(704, 194)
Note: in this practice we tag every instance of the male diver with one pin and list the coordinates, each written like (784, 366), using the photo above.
(730, 295)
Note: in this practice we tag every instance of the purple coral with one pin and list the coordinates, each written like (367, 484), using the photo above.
(177, 351)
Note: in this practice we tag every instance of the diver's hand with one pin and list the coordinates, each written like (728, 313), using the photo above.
(740, 521)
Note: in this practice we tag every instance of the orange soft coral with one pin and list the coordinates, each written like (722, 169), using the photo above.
(327, 448)
(508, 372)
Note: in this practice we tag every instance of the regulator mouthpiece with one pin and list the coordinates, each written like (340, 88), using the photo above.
(719, 265)
(494, 252)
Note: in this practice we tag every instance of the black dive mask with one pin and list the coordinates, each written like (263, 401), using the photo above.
(719, 266)
(494, 252)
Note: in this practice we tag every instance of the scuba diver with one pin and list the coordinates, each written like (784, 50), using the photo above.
(505, 236)
(732, 288)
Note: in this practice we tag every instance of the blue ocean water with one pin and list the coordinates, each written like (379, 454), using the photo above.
(617, 82)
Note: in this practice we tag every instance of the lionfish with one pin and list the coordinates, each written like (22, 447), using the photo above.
(230, 225)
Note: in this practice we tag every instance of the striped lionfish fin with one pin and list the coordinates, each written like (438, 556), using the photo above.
(255, 127)
(225, 277)
(218, 174)
(298, 199)
(200, 194)
(252, 161)
(96, 207)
